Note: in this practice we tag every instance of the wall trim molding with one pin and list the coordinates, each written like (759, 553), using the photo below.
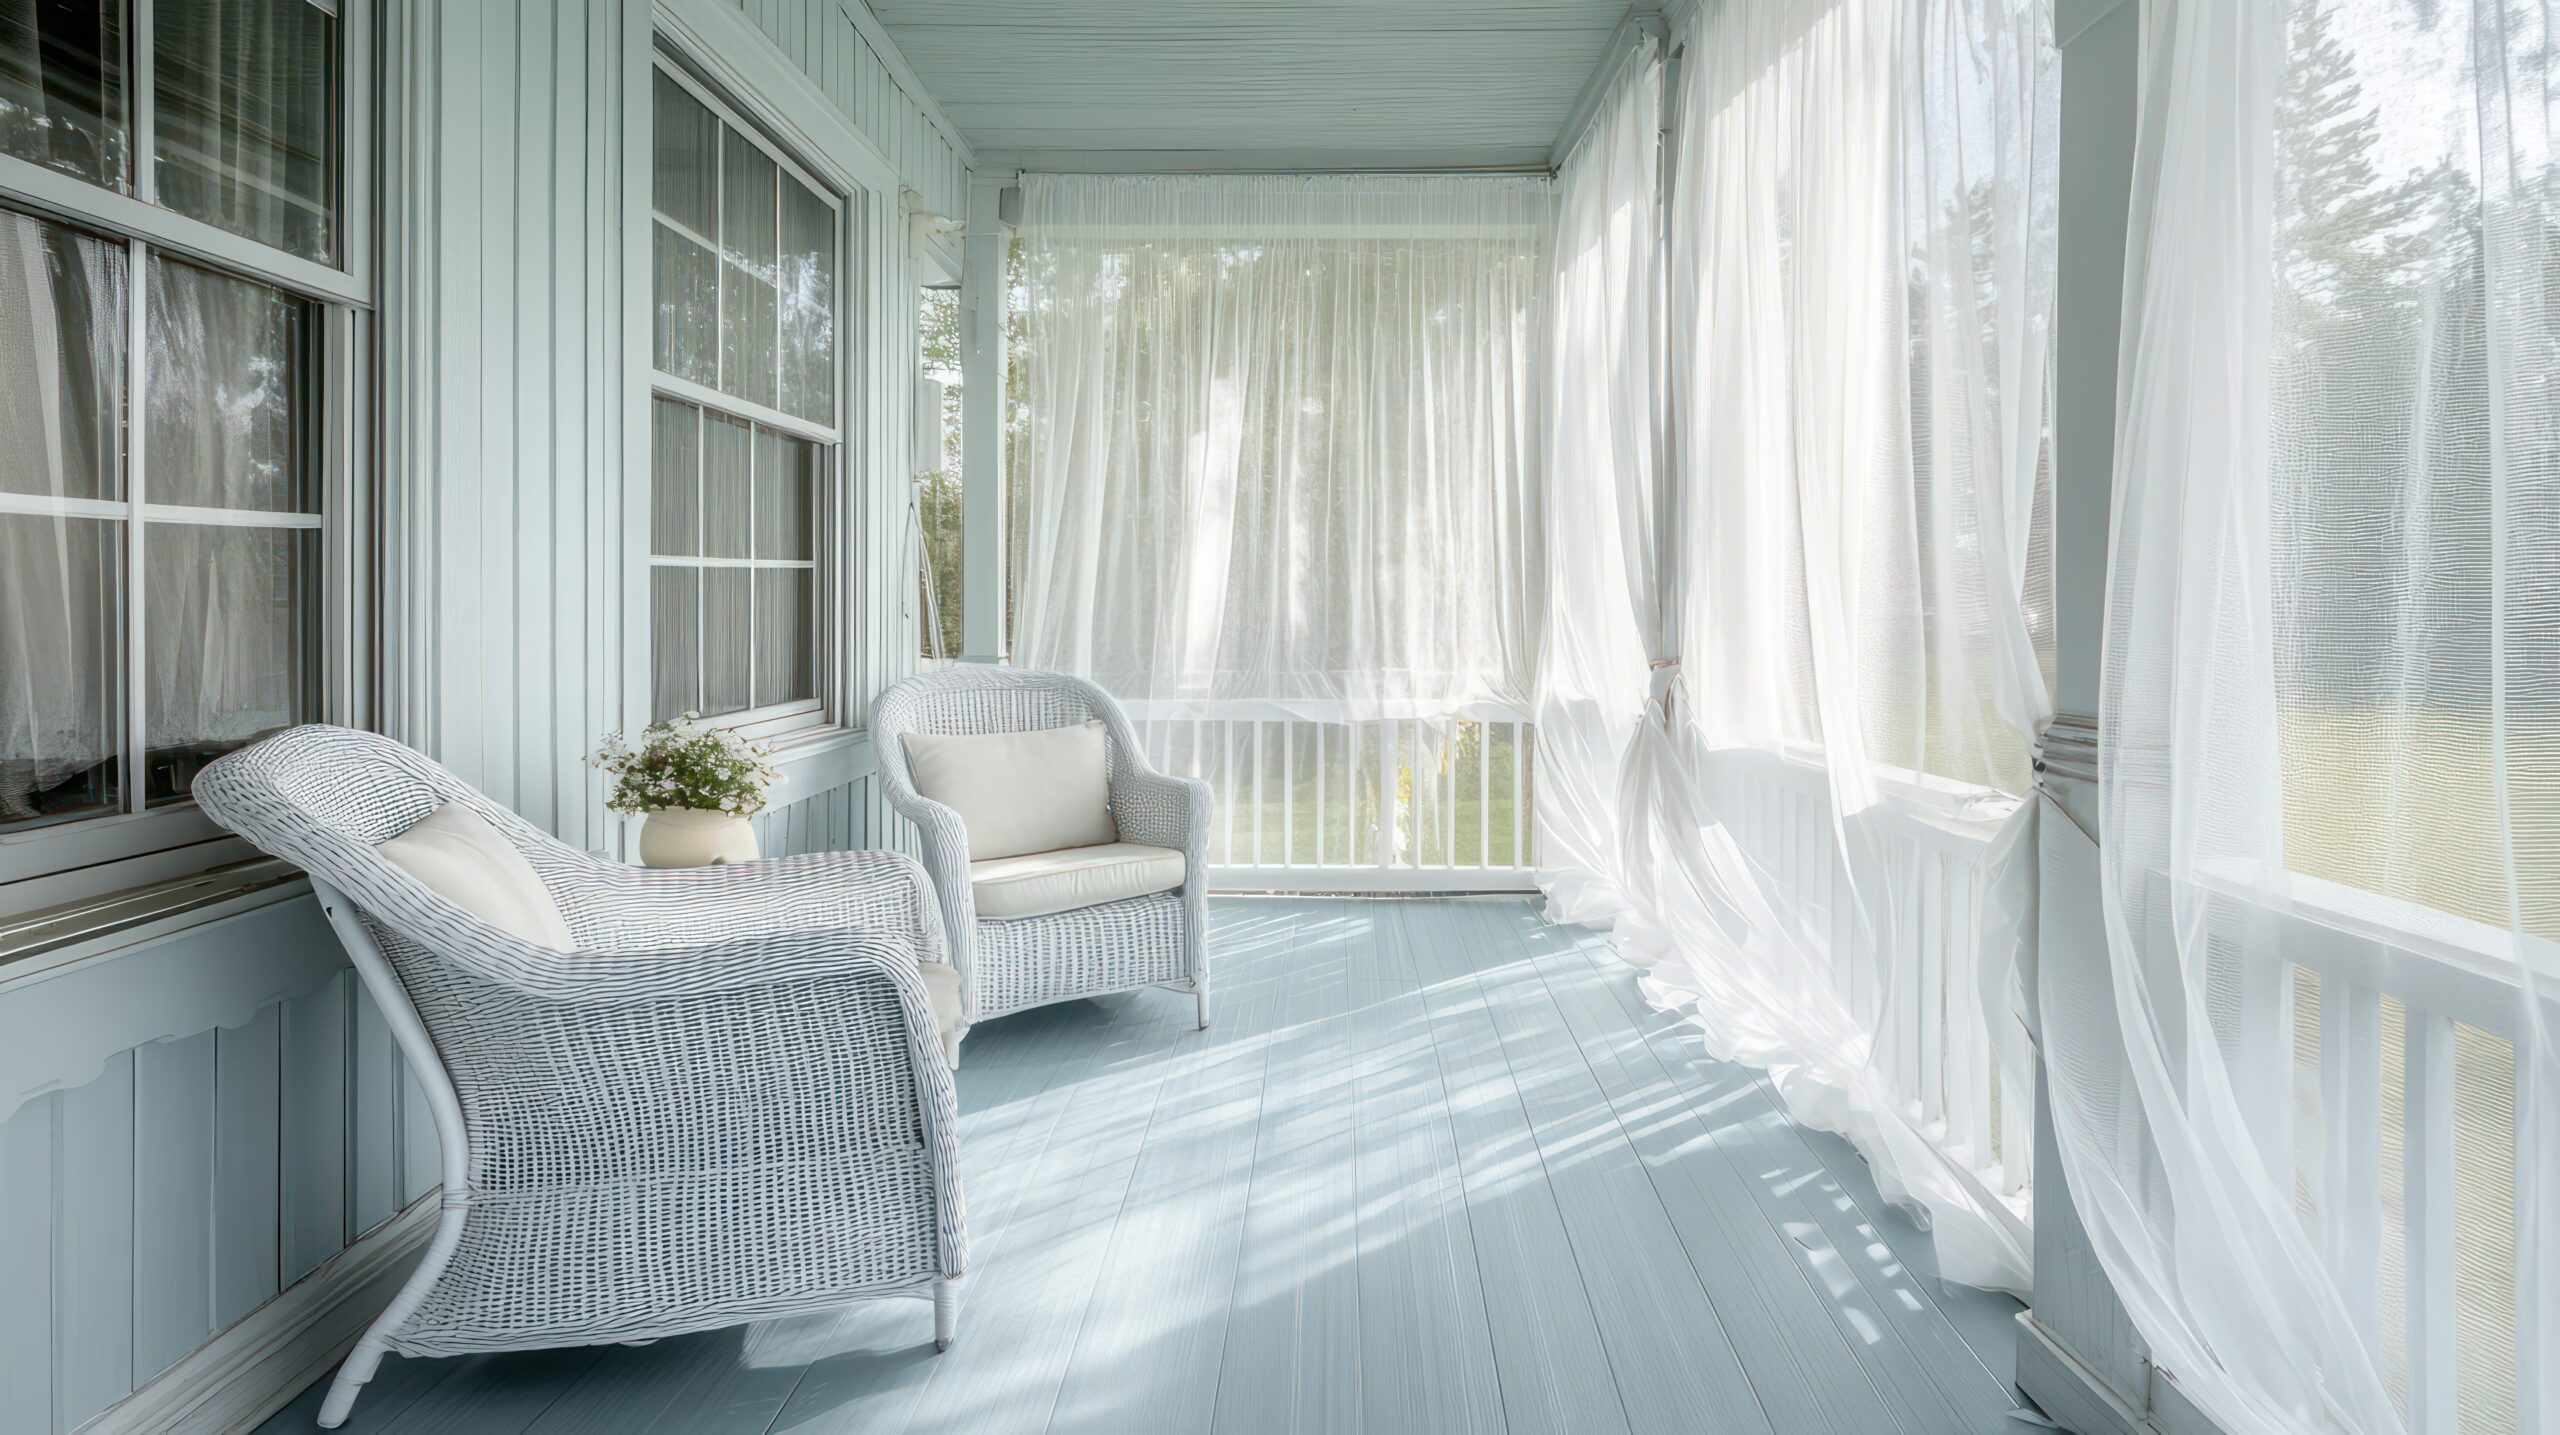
(233, 1382)
(59, 1026)
(2069, 1392)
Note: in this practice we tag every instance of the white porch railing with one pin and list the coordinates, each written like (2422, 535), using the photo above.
(1933, 1045)
(1372, 806)
(2374, 1049)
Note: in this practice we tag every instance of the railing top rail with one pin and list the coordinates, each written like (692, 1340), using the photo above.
(2424, 957)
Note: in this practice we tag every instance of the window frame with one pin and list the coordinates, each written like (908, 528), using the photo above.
(820, 714)
(78, 857)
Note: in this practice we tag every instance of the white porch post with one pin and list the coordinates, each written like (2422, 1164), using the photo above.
(982, 372)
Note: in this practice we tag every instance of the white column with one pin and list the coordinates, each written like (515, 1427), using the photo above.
(982, 373)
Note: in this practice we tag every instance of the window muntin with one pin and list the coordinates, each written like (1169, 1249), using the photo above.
(743, 259)
(245, 121)
(62, 89)
(734, 526)
(164, 470)
(245, 99)
(744, 447)
(164, 576)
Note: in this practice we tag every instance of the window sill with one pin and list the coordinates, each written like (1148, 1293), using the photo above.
(820, 761)
(43, 940)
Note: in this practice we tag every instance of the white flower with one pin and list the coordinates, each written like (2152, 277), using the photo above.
(727, 803)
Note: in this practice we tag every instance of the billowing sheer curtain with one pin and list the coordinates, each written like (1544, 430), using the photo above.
(1282, 442)
(2330, 798)
(1604, 600)
(1819, 849)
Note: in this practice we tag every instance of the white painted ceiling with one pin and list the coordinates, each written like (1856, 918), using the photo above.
(1252, 84)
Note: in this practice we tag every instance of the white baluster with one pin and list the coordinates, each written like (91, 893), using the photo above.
(2427, 1116)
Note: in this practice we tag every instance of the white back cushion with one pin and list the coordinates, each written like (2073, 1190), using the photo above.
(1020, 792)
(471, 864)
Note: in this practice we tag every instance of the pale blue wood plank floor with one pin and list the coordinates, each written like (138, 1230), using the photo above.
(1437, 1168)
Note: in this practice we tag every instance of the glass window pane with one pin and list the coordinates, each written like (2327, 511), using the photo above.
(675, 642)
(727, 635)
(61, 661)
(728, 454)
(786, 656)
(749, 270)
(62, 324)
(246, 103)
(685, 179)
(786, 492)
(234, 416)
(686, 280)
(62, 87)
(675, 479)
(808, 251)
(231, 643)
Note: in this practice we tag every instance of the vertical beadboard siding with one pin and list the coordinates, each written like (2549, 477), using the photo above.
(510, 397)
(191, 1179)
(823, 38)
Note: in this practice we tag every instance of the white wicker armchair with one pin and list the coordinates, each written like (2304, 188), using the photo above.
(729, 1103)
(1007, 965)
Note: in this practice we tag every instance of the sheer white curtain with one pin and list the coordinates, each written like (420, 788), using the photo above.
(1282, 442)
(1604, 601)
(1819, 848)
(2331, 724)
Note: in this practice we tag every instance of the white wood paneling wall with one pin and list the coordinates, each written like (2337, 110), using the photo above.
(512, 418)
(165, 1190)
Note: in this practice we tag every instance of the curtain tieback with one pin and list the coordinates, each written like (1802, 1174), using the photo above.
(1658, 687)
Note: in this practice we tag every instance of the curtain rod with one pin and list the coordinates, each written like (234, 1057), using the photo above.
(1646, 18)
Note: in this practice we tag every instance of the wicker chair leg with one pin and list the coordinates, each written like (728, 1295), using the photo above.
(1202, 992)
(946, 1312)
(353, 1372)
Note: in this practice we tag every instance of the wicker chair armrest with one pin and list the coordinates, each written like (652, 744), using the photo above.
(740, 963)
(700, 1057)
(944, 841)
(1163, 811)
(616, 908)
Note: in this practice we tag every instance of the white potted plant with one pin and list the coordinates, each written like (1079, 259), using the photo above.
(693, 787)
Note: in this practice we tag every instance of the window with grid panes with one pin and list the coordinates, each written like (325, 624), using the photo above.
(745, 441)
(165, 477)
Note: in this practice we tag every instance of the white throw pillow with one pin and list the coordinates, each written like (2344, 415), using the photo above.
(471, 864)
(1020, 792)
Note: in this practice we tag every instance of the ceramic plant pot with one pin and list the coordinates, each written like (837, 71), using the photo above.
(695, 837)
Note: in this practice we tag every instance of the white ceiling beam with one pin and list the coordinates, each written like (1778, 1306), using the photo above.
(1519, 159)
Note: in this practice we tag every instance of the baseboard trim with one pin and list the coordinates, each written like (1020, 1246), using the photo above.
(2070, 1392)
(2067, 1390)
(230, 1384)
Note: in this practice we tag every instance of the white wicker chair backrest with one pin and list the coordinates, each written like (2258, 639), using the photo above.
(975, 700)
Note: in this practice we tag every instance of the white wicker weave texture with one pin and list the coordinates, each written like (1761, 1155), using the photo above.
(728, 1103)
(1006, 966)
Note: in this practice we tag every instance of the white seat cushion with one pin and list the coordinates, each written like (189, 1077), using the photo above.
(1044, 882)
(461, 858)
(1020, 792)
